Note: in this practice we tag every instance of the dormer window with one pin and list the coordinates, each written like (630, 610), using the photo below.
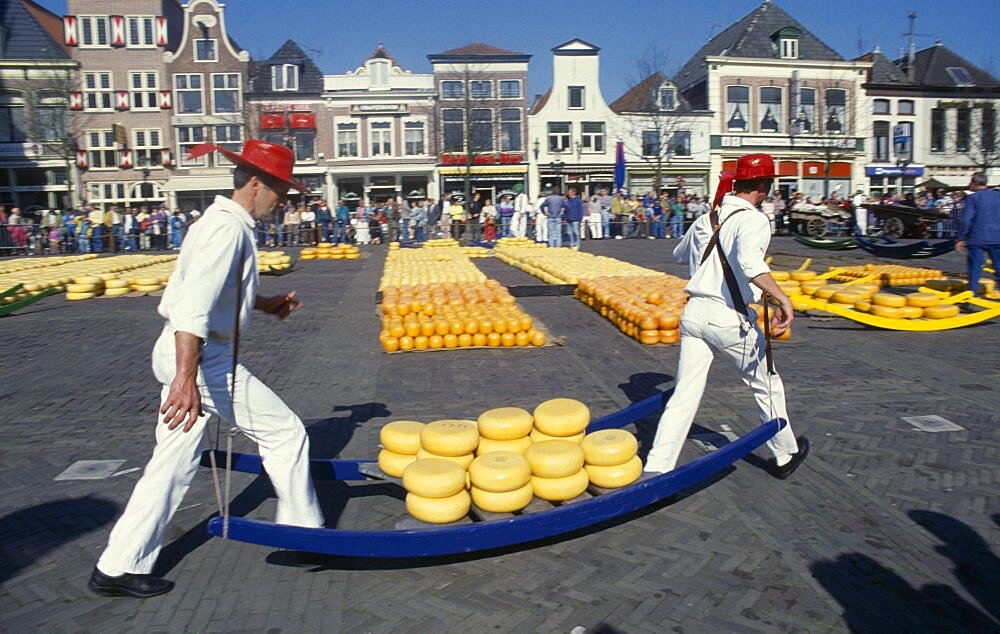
(284, 77)
(788, 43)
(666, 98)
(378, 70)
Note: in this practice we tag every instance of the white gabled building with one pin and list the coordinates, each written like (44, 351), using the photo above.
(570, 128)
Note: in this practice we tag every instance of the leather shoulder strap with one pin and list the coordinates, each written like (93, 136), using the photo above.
(727, 271)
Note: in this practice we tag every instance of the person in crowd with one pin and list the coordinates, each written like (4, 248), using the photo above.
(457, 213)
(716, 319)
(554, 207)
(979, 233)
(292, 225)
(595, 221)
(488, 221)
(859, 203)
(307, 223)
(83, 242)
(780, 209)
(375, 225)
(540, 221)
(505, 211)
(405, 219)
(475, 211)
(342, 219)
(130, 229)
(678, 207)
(573, 215)
(17, 231)
(656, 219)
(177, 227)
(522, 209)
(419, 219)
(604, 201)
(5, 244)
(619, 209)
(435, 214)
(96, 218)
(768, 208)
(69, 232)
(324, 220)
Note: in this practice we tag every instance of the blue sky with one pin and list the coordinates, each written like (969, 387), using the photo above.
(339, 35)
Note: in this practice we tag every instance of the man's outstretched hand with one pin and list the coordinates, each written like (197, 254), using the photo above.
(281, 306)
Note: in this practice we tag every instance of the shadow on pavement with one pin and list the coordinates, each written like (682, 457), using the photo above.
(327, 438)
(877, 599)
(26, 535)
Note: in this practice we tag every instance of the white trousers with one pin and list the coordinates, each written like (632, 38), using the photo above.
(709, 326)
(541, 229)
(596, 226)
(519, 225)
(138, 535)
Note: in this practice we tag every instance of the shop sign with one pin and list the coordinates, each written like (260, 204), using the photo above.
(845, 143)
(892, 170)
(285, 107)
(371, 108)
(18, 150)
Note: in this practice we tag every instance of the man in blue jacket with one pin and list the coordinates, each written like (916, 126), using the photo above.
(343, 219)
(979, 232)
(574, 214)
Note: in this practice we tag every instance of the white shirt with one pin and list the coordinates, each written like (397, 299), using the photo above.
(859, 200)
(744, 241)
(201, 296)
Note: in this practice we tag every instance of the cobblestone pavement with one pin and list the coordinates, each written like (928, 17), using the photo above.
(884, 527)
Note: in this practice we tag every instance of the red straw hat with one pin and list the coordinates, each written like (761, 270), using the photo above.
(754, 166)
(272, 159)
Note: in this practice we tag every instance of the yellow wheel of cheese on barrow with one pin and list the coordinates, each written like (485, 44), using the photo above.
(87, 279)
(922, 300)
(401, 436)
(802, 276)
(537, 436)
(463, 461)
(560, 489)
(439, 510)
(561, 417)
(117, 292)
(500, 472)
(554, 458)
(888, 299)
(116, 283)
(505, 502)
(890, 312)
(488, 445)
(828, 291)
(450, 437)
(847, 297)
(609, 447)
(942, 311)
(434, 478)
(505, 423)
(780, 276)
(148, 289)
(911, 312)
(615, 476)
(393, 464)
(82, 288)
(76, 296)
(147, 281)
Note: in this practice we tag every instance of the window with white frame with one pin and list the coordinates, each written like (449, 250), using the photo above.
(481, 89)
(903, 140)
(789, 48)
(147, 147)
(190, 97)
(97, 91)
(835, 121)
(101, 150)
(453, 130)
(144, 87)
(50, 115)
(304, 145)
(225, 92)
(880, 140)
(141, 31)
(510, 130)
(93, 31)
(284, 77)
(105, 192)
(805, 119)
(880, 106)
(666, 98)
(378, 70)
(574, 99)
(452, 89)
(204, 51)
(737, 108)
(187, 137)
(681, 143)
(650, 143)
(482, 130)
(12, 119)
(905, 106)
(413, 137)
(381, 138)
(771, 105)
(510, 88)
(228, 136)
(559, 133)
(592, 136)
(347, 139)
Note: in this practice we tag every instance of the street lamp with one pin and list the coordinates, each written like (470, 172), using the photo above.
(536, 147)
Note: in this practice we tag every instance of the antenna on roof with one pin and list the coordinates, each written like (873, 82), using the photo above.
(860, 43)
(911, 51)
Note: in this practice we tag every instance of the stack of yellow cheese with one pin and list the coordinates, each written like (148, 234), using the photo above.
(560, 419)
(400, 443)
(610, 458)
(450, 439)
(273, 261)
(85, 287)
(557, 472)
(501, 482)
(504, 429)
(436, 490)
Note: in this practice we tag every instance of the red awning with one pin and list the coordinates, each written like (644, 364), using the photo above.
(272, 121)
(788, 168)
(303, 120)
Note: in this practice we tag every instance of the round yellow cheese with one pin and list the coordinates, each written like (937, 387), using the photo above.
(560, 489)
(780, 276)
(537, 436)
(116, 283)
(615, 476)
(847, 297)
(505, 423)
(864, 305)
(433, 478)
(76, 296)
(117, 292)
(439, 510)
(82, 288)
(450, 437)
(802, 276)
(826, 292)
(463, 461)
(505, 502)
(554, 458)
(888, 299)
(942, 311)
(488, 445)
(609, 447)
(87, 279)
(808, 288)
(147, 281)
(500, 472)
(401, 436)
(305, 256)
(148, 289)
(890, 312)
(561, 417)
(911, 312)
(921, 300)
(393, 464)
(352, 256)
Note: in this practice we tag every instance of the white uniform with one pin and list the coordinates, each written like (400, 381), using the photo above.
(201, 300)
(861, 212)
(710, 324)
(519, 223)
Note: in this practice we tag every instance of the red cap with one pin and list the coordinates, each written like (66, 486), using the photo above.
(754, 166)
(272, 159)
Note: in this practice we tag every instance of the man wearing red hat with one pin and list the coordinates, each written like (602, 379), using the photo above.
(206, 305)
(735, 236)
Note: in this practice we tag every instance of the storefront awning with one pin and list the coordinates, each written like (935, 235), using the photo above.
(480, 169)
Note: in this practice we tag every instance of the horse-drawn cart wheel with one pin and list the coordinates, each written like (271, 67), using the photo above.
(816, 228)
(894, 227)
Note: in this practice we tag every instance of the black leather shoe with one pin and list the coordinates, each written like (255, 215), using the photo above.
(789, 468)
(128, 585)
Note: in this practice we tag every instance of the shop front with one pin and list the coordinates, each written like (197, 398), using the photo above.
(672, 182)
(487, 181)
(28, 178)
(375, 188)
(892, 179)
